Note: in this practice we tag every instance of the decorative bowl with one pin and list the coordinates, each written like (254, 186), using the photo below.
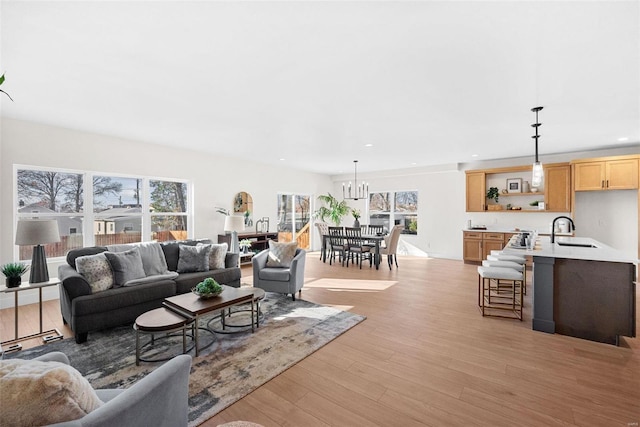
(205, 296)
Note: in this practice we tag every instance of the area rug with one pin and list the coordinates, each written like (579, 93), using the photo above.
(229, 369)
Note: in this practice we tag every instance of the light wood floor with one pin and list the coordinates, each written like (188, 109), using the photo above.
(425, 356)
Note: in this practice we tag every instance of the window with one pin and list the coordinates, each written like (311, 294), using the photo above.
(391, 208)
(124, 209)
(294, 216)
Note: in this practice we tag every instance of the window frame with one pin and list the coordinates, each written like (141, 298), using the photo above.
(87, 215)
(392, 212)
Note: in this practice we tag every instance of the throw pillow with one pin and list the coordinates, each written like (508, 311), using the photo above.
(36, 393)
(97, 270)
(218, 255)
(126, 266)
(194, 258)
(281, 254)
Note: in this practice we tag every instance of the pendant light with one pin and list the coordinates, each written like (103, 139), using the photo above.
(357, 191)
(538, 172)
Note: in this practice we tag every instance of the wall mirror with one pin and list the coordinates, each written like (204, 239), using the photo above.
(243, 203)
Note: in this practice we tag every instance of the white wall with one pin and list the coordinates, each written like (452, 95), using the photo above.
(215, 179)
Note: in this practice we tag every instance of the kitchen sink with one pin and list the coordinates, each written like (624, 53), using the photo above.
(580, 245)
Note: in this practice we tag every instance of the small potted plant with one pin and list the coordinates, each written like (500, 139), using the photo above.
(356, 217)
(245, 244)
(13, 272)
(493, 194)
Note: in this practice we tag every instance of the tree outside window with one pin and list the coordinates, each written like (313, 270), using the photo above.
(391, 208)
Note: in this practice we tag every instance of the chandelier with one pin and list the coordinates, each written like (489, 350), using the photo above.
(357, 191)
(538, 172)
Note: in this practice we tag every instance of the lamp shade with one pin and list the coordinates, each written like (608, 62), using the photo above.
(234, 223)
(37, 232)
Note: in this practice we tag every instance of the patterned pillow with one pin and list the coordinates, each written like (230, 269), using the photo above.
(37, 393)
(97, 270)
(218, 255)
(126, 266)
(194, 258)
(281, 254)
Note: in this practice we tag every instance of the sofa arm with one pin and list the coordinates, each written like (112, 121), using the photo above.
(74, 283)
(54, 356)
(297, 267)
(161, 399)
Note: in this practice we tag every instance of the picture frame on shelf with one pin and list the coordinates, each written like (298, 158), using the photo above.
(514, 185)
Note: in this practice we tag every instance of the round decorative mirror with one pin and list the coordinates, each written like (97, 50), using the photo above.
(243, 203)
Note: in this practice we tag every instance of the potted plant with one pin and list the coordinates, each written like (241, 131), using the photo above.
(356, 217)
(245, 244)
(334, 210)
(13, 272)
(493, 194)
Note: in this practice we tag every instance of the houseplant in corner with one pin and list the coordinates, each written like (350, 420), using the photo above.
(334, 210)
(13, 271)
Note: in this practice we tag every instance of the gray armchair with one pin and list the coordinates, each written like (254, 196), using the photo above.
(279, 279)
(159, 399)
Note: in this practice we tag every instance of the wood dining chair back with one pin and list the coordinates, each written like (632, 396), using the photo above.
(356, 248)
(373, 229)
(336, 244)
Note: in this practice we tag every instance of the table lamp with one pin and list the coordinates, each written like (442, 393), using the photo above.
(234, 224)
(37, 232)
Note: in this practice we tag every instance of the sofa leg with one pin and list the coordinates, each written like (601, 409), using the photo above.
(81, 337)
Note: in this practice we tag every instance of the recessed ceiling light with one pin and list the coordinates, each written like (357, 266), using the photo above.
(413, 163)
(282, 159)
(368, 145)
(623, 139)
(474, 155)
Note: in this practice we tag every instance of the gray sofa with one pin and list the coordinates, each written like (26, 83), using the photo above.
(159, 399)
(85, 311)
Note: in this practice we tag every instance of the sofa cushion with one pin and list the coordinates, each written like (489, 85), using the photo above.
(97, 270)
(73, 254)
(277, 274)
(126, 266)
(171, 250)
(153, 260)
(123, 297)
(194, 258)
(218, 256)
(225, 276)
(281, 254)
(39, 393)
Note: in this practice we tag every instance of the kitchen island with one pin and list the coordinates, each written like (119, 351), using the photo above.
(581, 288)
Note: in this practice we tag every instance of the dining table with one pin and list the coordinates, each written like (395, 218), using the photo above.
(374, 239)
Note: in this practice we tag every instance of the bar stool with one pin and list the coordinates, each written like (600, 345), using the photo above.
(496, 298)
(512, 258)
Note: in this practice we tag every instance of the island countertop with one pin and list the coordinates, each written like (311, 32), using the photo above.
(544, 248)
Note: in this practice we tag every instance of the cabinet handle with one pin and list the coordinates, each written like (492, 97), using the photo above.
(607, 183)
(602, 185)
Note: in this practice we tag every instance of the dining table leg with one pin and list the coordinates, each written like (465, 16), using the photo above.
(376, 256)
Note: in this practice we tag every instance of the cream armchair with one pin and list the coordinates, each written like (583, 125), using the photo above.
(284, 280)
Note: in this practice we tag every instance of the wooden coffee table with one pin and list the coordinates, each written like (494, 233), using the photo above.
(193, 307)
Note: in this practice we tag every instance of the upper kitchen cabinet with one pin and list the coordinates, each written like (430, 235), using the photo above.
(556, 193)
(606, 173)
(476, 191)
(557, 187)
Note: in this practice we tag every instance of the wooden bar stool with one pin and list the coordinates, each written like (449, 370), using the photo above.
(497, 297)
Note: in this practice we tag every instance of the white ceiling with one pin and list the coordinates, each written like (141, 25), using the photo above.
(425, 82)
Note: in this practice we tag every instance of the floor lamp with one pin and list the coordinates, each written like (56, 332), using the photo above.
(234, 224)
(37, 232)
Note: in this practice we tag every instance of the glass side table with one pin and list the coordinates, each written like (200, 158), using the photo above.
(50, 335)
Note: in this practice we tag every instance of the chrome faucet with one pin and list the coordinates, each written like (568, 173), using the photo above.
(572, 227)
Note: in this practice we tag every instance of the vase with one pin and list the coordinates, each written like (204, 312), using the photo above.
(13, 282)
(356, 223)
(526, 188)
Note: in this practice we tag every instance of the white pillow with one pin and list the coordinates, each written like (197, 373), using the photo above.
(97, 270)
(36, 393)
(218, 255)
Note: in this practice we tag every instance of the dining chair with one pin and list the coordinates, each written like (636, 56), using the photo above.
(391, 245)
(356, 248)
(336, 244)
(323, 230)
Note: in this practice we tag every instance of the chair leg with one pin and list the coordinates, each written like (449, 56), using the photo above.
(389, 261)
(293, 296)
(395, 258)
